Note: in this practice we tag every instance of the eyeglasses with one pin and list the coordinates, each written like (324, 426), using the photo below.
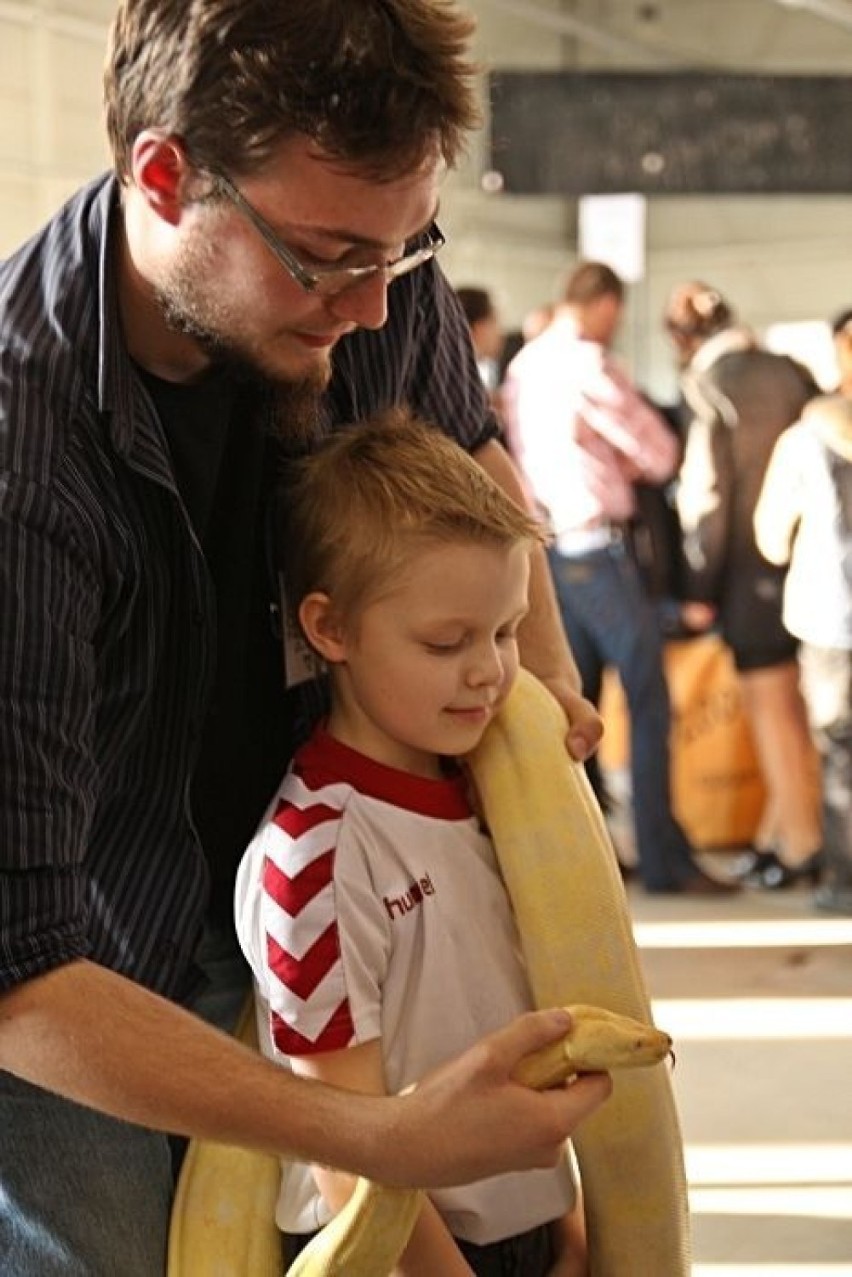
(328, 281)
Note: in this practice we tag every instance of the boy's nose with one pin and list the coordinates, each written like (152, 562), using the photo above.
(486, 666)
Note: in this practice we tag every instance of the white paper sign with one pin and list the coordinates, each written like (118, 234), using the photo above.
(612, 231)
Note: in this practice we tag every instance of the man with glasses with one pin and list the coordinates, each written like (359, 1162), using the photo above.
(327, 281)
(259, 267)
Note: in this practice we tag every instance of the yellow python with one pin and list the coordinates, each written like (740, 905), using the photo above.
(567, 894)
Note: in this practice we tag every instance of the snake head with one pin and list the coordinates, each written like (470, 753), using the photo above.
(601, 1040)
(597, 1042)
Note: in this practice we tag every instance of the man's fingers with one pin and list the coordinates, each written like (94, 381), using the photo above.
(498, 1125)
(528, 1033)
(585, 727)
(586, 1093)
(569, 1106)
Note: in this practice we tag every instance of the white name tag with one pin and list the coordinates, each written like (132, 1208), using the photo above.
(301, 662)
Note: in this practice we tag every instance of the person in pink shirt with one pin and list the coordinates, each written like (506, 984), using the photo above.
(584, 436)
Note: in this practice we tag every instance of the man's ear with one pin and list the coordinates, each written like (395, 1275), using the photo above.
(161, 171)
(322, 627)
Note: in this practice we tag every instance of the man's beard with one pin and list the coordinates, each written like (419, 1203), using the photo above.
(186, 310)
(297, 417)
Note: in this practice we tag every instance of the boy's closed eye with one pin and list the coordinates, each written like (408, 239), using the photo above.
(445, 648)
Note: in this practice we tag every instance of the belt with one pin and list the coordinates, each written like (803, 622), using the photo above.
(585, 540)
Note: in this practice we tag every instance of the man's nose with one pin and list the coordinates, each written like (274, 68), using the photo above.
(364, 304)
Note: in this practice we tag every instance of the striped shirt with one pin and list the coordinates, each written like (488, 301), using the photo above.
(108, 635)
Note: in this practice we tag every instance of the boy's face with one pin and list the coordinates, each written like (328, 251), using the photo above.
(427, 665)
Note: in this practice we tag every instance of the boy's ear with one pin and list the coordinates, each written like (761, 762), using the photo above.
(322, 627)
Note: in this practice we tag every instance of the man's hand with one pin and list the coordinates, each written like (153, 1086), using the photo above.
(469, 1119)
(585, 725)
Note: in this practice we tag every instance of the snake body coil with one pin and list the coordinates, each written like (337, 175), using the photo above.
(566, 890)
(562, 877)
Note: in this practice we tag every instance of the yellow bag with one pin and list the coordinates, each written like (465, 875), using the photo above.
(717, 789)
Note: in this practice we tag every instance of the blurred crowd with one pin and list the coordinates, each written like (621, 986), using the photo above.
(727, 512)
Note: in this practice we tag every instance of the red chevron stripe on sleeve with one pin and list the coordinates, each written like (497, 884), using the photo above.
(303, 959)
(297, 821)
(337, 1034)
(302, 975)
(292, 894)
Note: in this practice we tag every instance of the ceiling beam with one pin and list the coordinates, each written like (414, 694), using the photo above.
(837, 11)
(588, 33)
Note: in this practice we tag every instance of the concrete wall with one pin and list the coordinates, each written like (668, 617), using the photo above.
(777, 258)
(51, 57)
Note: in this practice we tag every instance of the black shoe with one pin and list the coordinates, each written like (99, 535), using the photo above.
(748, 862)
(768, 873)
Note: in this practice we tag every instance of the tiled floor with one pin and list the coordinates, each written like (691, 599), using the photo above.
(757, 992)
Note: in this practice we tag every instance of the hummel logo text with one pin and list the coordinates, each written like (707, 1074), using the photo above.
(401, 905)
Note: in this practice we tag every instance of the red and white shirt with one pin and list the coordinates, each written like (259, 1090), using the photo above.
(369, 905)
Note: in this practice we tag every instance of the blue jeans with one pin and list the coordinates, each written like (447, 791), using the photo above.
(84, 1195)
(610, 621)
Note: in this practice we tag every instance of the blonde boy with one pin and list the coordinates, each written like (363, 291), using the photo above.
(369, 904)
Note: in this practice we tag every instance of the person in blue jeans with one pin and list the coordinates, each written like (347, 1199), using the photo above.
(584, 437)
(610, 621)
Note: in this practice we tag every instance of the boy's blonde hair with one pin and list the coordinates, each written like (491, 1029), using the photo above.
(356, 510)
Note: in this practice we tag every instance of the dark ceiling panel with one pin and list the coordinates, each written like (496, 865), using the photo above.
(577, 133)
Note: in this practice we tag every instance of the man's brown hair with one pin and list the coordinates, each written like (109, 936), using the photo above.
(382, 84)
(590, 281)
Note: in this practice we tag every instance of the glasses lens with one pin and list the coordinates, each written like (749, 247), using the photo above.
(330, 282)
